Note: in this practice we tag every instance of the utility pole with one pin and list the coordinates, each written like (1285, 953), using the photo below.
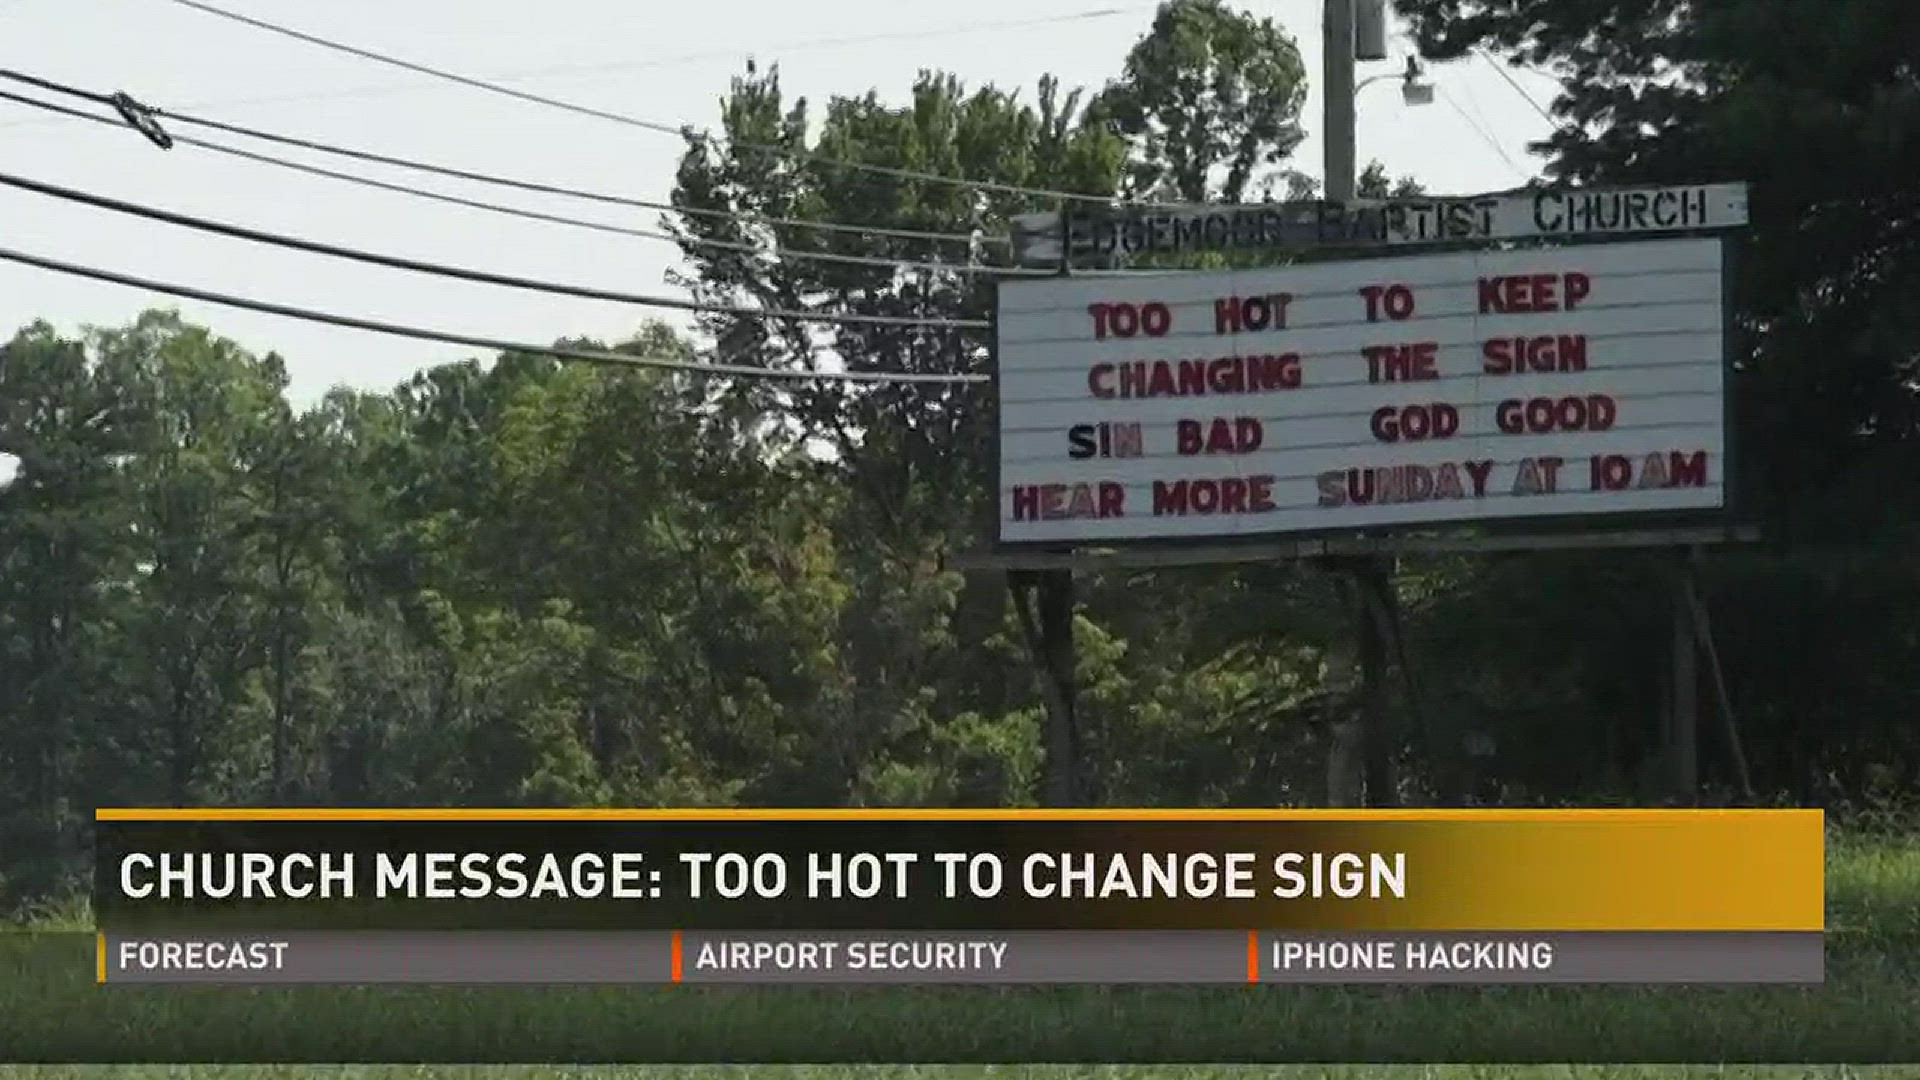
(1371, 579)
(1337, 84)
(1049, 629)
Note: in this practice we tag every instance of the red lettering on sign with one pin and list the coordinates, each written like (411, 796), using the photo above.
(1156, 319)
(1689, 470)
(1478, 471)
(1539, 416)
(1124, 320)
(1259, 494)
(1610, 472)
(1415, 423)
(1057, 502)
(1233, 314)
(1233, 496)
(1100, 380)
(1241, 435)
(1523, 294)
(1666, 469)
(1026, 502)
(1539, 355)
(1194, 378)
(1579, 287)
(1230, 495)
(1402, 363)
(1394, 301)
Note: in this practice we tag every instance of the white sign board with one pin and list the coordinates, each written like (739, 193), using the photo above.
(1109, 236)
(1583, 380)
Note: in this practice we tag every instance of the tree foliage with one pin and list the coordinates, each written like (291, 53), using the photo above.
(1816, 103)
(1209, 102)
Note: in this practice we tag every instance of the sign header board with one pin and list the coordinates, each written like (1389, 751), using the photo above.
(1369, 394)
(1102, 237)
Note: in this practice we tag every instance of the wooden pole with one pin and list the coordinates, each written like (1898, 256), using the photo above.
(1729, 725)
(1439, 734)
(1376, 745)
(1050, 636)
(1683, 727)
(1346, 782)
(1043, 601)
(1063, 734)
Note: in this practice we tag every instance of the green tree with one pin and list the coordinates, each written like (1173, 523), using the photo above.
(207, 408)
(911, 460)
(1818, 106)
(1375, 183)
(67, 558)
(1209, 102)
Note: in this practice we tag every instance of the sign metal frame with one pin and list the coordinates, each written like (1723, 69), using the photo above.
(1613, 529)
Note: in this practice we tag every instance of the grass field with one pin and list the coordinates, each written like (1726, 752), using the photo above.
(1868, 1012)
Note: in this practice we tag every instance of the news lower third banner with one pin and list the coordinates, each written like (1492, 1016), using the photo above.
(959, 897)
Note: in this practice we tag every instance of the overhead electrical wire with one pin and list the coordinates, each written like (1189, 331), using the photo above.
(880, 261)
(921, 34)
(475, 341)
(536, 215)
(682, 130)
(653, 62)
(540, 187)
(1485, 135)
(486, 277)
(1501, 70)
(744, 246)
(544, 188)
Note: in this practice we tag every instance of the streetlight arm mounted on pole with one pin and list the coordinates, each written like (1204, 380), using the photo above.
(1414, 88)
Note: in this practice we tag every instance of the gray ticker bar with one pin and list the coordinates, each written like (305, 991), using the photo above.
(1012, 957)
(1045, 956)
(1720, 957)
(448, 957)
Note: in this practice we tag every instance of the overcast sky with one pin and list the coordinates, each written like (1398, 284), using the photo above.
(662, 61)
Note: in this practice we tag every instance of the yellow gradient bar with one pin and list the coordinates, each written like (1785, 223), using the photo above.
(1464, 870)
(1760, 871)
(318, 814)
(100, 958)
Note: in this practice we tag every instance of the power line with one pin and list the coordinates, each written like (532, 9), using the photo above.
(540, 187)
(1501, 70)
(623, 66)
(921, 34)
(536, 215)
(473, 341)
(1473, 105)
(1485, 135)
(468, 274)
(572, 192)
(684, 131)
